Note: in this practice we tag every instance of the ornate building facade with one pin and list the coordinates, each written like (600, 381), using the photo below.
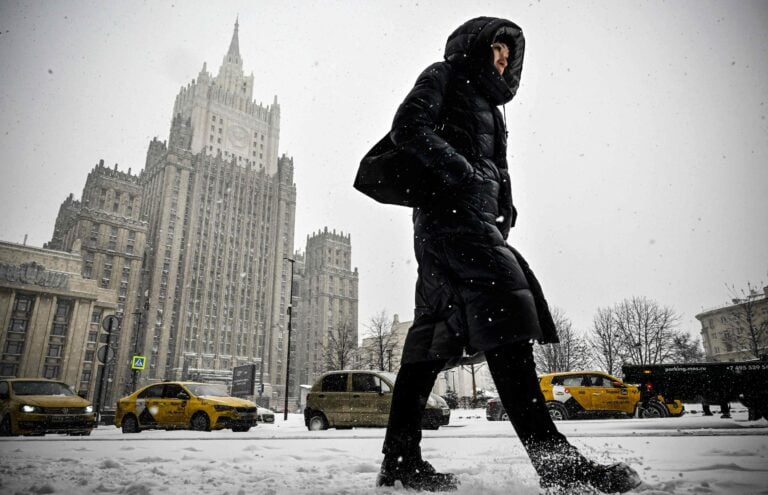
(211, 222)
(51, 316)
(106, 229)
(327, 302)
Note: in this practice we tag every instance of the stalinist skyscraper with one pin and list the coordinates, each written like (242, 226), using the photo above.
(218, 205)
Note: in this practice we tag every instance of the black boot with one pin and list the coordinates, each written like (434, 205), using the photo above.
(414, 473)
(565, 468)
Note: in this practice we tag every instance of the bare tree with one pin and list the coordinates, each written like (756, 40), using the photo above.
(747, 328)
(646, 330)
(685, 349)
(342, 346)
(571, 353)
(605, 342)
(381, 342)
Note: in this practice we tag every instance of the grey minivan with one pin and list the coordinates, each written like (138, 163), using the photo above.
(357, 398)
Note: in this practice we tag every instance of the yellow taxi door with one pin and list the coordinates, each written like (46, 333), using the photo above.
(172, 409)
(578, 387)
(148, 405)
(612, 395)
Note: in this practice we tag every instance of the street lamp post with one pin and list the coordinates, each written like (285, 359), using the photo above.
(288, 349)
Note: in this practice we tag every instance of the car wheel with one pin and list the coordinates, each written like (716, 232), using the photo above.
(200, 422)
(241, 429)
(6, 430)
(503, 416)
(317, 422)
(557, 411)
(653, 410)
(130, 424)
(431, 425)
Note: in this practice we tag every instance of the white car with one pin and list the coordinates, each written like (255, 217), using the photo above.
(264, 415)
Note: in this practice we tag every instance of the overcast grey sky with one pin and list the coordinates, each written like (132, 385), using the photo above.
(638, 139)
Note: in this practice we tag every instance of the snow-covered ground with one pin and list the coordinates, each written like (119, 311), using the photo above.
(691, 454)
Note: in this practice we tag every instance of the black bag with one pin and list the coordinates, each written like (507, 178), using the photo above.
(392, 176)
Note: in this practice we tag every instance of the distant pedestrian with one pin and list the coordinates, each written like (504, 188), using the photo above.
(725, 409)
(474, 292)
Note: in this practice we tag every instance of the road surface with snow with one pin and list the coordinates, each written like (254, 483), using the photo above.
(691, 454)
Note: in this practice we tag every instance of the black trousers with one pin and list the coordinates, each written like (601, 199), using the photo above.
(514, 373)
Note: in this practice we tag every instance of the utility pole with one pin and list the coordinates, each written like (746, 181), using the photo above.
(109, 324)
(288, 349)
(134, 372)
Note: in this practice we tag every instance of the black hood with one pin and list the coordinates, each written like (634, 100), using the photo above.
(468, 50)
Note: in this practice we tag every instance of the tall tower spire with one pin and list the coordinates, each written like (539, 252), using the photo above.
(230, 76)
(233, 55)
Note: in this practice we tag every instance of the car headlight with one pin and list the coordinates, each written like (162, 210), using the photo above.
(26, 408)
(220, 407)
(88, 409)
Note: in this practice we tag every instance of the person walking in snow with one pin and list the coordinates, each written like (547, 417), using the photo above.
(475, 293)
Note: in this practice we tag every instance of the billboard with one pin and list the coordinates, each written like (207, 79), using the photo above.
(243, 378)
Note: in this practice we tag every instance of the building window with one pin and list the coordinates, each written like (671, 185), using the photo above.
(85, 380)
(14, 347)
(17, 325)
(51, 371)
(23, 304)
(61, 317)
(8, 369)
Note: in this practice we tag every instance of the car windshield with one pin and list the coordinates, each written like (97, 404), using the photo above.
(41, 388)
(206, 390)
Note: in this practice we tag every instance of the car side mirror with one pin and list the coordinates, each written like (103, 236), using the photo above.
(618, 385)
(182, 396)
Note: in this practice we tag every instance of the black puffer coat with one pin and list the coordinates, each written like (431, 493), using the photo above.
(474, 292)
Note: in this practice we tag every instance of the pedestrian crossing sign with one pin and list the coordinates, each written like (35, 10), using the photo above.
(138, 362)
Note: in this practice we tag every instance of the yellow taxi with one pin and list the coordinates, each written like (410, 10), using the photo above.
(573, 393)
(184, 405)
(36, 406)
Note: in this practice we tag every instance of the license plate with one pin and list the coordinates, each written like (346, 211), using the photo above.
(59, 419)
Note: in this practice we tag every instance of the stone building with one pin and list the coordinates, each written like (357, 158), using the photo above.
(106, 225)
(217, 212)
(326, 286)
(50, 316)
(736, 332)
